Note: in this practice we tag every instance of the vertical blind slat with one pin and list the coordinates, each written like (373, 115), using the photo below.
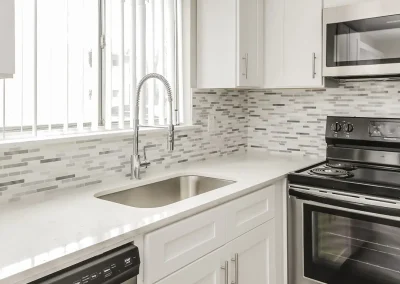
(95, 86)
(179, 95)
(159, 54)
(121, 107)
(170, 46)
(109, 65)
(65, 128)
(141, 52)
(82, 45)
(133, 63)
(150, 49)
(35, 69)
(19, 38)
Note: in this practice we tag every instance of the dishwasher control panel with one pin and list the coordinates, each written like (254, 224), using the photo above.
(115, 266)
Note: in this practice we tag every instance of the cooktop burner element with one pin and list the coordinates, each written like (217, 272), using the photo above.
(343, 166)
(330, 172)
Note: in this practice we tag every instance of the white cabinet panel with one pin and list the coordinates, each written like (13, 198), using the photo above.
(274, 12)
(244, 226)
(250, 257)
(7, 35)
(230, 43)
(293, 44)
(216, 43)
(249, 212)
(250, 43)
(173, 247)
(253, 256)
(206, 270)
(303, 43)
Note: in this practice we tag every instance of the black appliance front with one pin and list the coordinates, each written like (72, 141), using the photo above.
(120, 265)
(342, 247)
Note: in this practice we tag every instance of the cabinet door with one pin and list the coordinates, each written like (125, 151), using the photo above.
(249, 212)
(206, 270)
(7, 35)
(303, 43)
(253, 256)
(216, 44)
(250, 43)
(274, 11)
(171, 248)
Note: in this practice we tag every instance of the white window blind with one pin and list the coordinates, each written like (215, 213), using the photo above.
(78, 64)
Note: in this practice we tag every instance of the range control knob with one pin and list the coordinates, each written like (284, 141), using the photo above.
(349, 127)
(336, 127)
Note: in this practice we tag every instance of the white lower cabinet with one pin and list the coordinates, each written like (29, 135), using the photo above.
(253, 256)
(247, 260)
(193, 250)
(209, 269)
(250, 211)
(174, 246)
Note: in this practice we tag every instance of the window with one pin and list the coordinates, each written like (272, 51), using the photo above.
(78, 64)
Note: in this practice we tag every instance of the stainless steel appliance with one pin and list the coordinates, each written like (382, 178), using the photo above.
(362, 40)
(344, 213)
(118, 266)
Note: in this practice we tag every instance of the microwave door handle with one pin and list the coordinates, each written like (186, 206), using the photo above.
(339, 202)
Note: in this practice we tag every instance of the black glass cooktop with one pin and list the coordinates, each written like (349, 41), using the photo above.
(373, 180)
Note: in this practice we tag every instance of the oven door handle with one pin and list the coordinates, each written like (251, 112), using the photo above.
(338, 202)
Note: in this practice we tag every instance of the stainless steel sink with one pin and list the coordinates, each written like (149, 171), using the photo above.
(166, 192)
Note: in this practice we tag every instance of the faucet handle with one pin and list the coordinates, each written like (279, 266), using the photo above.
(145, 163)
(171, 138)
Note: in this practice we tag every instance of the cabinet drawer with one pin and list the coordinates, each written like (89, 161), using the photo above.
(179, 244)
(250, 211)
(206, 270)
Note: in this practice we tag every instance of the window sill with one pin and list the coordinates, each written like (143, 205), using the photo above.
(73, 137)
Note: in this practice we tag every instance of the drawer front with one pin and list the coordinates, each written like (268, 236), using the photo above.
(250, 211)
(173, 247)
(206, 270)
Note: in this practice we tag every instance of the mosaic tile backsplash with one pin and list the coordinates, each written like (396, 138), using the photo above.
(25, 171)
(294, 121)
(290, 121)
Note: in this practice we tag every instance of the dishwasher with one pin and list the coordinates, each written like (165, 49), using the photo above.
(118, 266)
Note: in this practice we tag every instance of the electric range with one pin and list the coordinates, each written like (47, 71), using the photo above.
(344, 213)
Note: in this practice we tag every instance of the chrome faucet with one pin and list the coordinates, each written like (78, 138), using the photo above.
(136, 162)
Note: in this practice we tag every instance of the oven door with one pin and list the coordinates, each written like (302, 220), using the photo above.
(336, 238)
(362, 39)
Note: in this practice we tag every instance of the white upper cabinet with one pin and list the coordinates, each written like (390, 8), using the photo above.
(7, 35)
(229, 43)
(293, 44)
(274, 11)
(302, 60)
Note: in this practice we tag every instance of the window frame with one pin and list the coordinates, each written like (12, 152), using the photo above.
(184, 101)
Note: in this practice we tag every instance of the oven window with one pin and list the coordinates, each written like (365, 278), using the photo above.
(342, 247)
(364, 42)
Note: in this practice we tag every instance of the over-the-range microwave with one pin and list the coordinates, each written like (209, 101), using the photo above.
(362, 40)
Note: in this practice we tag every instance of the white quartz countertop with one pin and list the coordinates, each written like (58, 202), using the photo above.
(38, 237)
